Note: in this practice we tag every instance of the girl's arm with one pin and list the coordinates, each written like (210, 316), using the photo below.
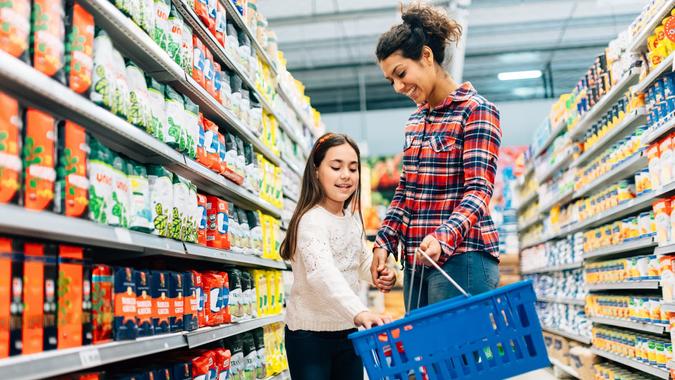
(387, 236)
(482, 137)
(322, 274)
(365, 261)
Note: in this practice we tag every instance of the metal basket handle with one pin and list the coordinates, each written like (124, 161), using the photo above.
(438, 267)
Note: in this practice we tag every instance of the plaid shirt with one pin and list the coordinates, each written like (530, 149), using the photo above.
(449, 165)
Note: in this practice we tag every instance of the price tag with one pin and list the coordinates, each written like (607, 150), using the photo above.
(90, 358)
(123, 235)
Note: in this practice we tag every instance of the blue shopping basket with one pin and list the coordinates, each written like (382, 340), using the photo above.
(493, 335)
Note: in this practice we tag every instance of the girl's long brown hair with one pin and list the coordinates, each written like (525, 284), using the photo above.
(311, 193)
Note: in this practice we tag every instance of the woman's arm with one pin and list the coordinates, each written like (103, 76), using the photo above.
(482, 137)
(323, 276)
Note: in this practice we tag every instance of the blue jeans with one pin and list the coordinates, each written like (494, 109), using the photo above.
(476, 272)
(322, 355)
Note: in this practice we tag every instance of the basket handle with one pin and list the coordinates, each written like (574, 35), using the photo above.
(435, 265)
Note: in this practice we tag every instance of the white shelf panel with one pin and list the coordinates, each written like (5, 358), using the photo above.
(211, 334)
(639, 43)
(559, 200)
(578, 338)
(556, 268)
(652, 328)
(623, 170)
(565, 368)
(626, 285)
(628, 246)
(664, 67)
(655, 134)
(567, 301)
(654, 371)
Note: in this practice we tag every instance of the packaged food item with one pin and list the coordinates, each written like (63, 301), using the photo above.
(256, 232)
(140, 113)
(237, 361)
(15, 18)
(654, 166)
(198, 57)
(160, 181)
(102, 303)
(200, 314)
(187, 49)
(182, 370)
(192, 127)
(140, 210)
(79, 47)
(181, 191)
(217, 82)
(161, 305)
(233, 228)
(40, 275)
(248, 294)
(209, 73)
(191, 302)
(236, 297)
(72, 184)
(211, 145)
(175, 36)
(202, 219)
(245, 231)
(47, 41)
(225, 298)
(121, 96)
(70, 291)
(144, 312)
(192, 215)
(201, 10)
(251, 366)
(157, 124)
(236, 84)
(39, 148)
(177, 300)
(662, 210)
(220, 24)
(175, 110)
(118, 209)
(10, 143)
(104, 90)
(162, 26)
(213, 286)
(261, 369)
(666, 160)
(223, 358)
(101, 176)
(11, 296)
(204, 366)
(124, 318)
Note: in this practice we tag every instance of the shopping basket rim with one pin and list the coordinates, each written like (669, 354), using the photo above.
(421, 314)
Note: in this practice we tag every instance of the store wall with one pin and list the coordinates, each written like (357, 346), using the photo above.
(384, 128)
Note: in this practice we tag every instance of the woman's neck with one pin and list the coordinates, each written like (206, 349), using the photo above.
(444, 86)
(333, 207)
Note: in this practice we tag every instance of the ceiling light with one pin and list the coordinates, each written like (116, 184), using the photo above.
(516, 75)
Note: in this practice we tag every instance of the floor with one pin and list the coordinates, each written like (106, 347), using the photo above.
(540, 374)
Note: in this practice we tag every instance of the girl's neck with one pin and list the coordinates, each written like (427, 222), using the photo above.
(444, 86)
(336, 208)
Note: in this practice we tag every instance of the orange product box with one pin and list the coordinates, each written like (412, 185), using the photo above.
(177, 301)
(48, 38)
(124, 301)
(70, 291)
(72, 187)
(87, 304)
(200, 313)
(11, 297)
(15, 33)
(102, 303)
(144, 301)
(203, 219)
(39, 160)
(159, 289)
(10, 148)
(79, 48)
(33, 316)
(216, 211)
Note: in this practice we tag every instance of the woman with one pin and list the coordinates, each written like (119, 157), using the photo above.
(449, 161)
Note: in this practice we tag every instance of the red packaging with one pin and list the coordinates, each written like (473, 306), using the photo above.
(208, 78)
(224, 170)
(212, 145)
(203, 219)
(11, 297)
(225, 299)
(213, 288)
(223, 358)
(202, 11)
(220, 23)
(216, 213)
(216, 86)
(102, 308)
(204, 366)
(198, 60)
(201, 299)
(201, 150)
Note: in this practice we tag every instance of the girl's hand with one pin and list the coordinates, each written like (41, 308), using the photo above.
(386, 280)
(368, 319)
(431, 247)
(379, 263)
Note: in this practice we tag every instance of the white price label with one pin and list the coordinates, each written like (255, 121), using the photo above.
(123, 235)
(90, 358)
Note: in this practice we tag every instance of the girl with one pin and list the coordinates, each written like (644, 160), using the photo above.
(449, 164)
(325, 243)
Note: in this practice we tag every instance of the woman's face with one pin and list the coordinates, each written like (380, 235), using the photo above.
(409, 77)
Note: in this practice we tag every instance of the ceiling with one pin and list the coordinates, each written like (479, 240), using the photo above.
(330, 44)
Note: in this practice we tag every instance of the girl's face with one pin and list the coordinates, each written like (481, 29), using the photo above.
(338, 175)
(412, 78)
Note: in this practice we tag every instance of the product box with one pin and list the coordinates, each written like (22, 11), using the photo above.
(87, 303)
(223, 357)
(191, 302)
(182, 370)
(39, 148)
(50, 302)
(10, 149)
(124, 317)
(144, 304)
(33, 316)
(560, 349)
(582, 360)
(225, 298)
(201, 297)
(160, 300)
(72, 184)
(216, 234)
(177, 300)
(213, 284)
(70, 291)
(11, 296)
(202, 222)
(102, 303)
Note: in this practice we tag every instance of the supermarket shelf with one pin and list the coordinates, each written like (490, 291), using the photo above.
(562, 163)
(189, 15)
(291, 197)
(301, 116)
(554, 133)
(529, 223)
(663, 67)
(135, 43)
(665, 249)
(567, 301)
(652, 328)
(19, 221)
(27, 84)
(560, 199)
(565, 368)
(529, 199)
(671, 364)
(234, 15)
(293, 167)
(528, 244)
(211, 334)
(578, 338)
(656, 133)
(621, 171)
(556, 268)
(635, 118)
(285, 375)
(53, 363)
(645, 284)
(639, 43)
(654, 371)
(604, 104)
(629, 246)
(668, 306)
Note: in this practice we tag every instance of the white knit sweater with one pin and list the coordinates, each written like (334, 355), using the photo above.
(329, 260)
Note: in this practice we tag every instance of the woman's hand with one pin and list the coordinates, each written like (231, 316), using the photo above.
(379, 263)
(386, 280)
(431, 247)
(368, 319)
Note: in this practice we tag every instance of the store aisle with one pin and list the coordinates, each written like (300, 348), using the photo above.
(540, 374)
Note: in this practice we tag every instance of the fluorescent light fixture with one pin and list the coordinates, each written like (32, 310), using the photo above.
(516, 75)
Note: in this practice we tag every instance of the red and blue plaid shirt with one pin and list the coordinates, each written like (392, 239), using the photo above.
(449, 164)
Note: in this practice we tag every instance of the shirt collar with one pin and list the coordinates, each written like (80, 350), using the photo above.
(463, 93)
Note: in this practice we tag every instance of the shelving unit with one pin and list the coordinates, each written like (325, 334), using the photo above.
(555, 268)
(651, 328)
(639, 42)
(58, 362)
(529, 199)
(529, 223)
(664, 67)
(548, 173)
(628, 167)
(661, 130)
(567, 301)
(578, 338)
(561, 199)
(628, 246)
(654, 371)
(626, 285)
(554, 134)
(565, 368)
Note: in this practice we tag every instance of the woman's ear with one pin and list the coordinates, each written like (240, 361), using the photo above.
(427, 56)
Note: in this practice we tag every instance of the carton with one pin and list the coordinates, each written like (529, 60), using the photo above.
(39, 155)
(102, 303)
(11, 296)
(10, 149)
(124, 317)
(191, 303)
(560, 349)
(33, 316)
(72, 186)
(177, 299)
(160, 300)
(70, 290)
(144, 304)
(582, 360)
(87, 303)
